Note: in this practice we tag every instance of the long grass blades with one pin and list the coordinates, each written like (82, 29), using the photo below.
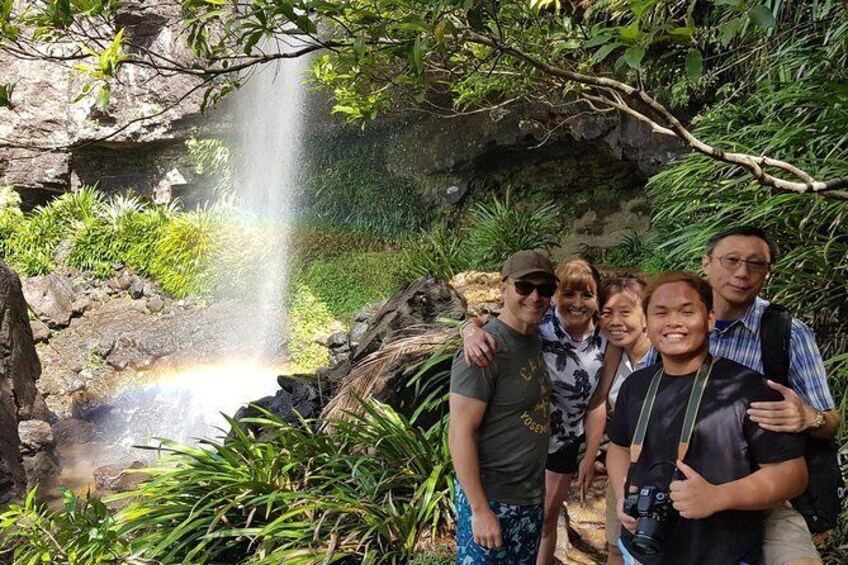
(372, 489)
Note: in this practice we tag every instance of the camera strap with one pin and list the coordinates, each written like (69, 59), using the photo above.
(695, 396)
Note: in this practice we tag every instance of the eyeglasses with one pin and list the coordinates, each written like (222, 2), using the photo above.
(524, 288)
(755, 266)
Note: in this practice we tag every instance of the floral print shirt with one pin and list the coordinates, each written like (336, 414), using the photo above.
(575, 368)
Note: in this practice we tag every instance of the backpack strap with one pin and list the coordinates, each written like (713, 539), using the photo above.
(775, 341)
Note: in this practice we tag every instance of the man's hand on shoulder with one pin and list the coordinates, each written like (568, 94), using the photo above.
(486, 528)
(790, 415)
(478, 345)
(694, 498)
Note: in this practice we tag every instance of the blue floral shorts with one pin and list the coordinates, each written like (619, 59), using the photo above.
(521, 528)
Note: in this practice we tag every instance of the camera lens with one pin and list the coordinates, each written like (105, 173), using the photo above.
(648, 537)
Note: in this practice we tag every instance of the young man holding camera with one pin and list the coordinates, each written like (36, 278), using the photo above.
(697, 500)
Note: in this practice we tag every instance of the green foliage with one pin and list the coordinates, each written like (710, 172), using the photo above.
(29, 244)
(493, 231)
(370, 490)
(439, 251)
(695, 198)
(315, 239)
(346, 182)
(9, 198)
(309, 318)
(348, 282)
(6, 91)
(212, 159)
(501, 227)
(186, 252)
(629, 253)
(81, 533)
(183, 260)
(137, 233)
(94, 247)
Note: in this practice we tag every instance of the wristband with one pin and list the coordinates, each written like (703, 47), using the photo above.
(464, 325)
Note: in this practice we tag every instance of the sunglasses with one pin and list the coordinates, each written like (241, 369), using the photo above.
(524, 288)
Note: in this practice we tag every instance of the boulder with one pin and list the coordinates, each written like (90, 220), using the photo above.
(73, 431)
(127, 353)
(297, 398)
(22, 464)
(19, 364)
(155, 304)
(51, 298)
(40, 331)
(339, 347)
(36, 435)
(423, 301)
(42, 469)
(119, 477)
(87, 406)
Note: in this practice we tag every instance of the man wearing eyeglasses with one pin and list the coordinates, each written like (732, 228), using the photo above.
(500, 423)
(737, 263)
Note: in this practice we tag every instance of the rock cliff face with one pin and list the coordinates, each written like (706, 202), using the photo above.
(21, 404)
(50, 143)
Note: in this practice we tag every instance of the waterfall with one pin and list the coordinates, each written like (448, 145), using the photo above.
(268, 113)
(186, 403)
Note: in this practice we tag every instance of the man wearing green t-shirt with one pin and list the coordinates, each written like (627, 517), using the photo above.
(500, 422)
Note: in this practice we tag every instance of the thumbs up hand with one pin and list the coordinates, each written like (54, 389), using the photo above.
(694, 498)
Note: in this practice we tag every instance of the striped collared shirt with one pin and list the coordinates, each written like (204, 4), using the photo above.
(740, 342)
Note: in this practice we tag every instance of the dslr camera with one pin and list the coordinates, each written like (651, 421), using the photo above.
(653, 510)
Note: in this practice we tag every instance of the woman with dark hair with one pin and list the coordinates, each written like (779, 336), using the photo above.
(623, 323)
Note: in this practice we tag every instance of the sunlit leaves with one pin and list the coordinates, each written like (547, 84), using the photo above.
(539, 5)
(694, 65)
(101, 101)
(762, 16)
(633, 56)
(6, 91)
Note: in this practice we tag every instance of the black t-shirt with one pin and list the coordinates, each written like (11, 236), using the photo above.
(725, 446)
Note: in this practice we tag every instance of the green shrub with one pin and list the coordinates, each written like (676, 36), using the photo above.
(30, 241)
(629, 253)
(313, 238)
(308, 318)
(494, 230)
(347, 283)
(77, 206)
(183, 259)
(30, 246)
(346, 182)
(440, 252)
(372, 489)
(95, 247)
(137, 234)
(499, 228)
(11, 219)
(9, 198)
(212, 159)
(369, 491)
(83, 532)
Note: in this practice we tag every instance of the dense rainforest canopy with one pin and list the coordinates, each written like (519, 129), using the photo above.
(464, 55)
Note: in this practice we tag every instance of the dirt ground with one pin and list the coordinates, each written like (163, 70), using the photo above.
(581, 527)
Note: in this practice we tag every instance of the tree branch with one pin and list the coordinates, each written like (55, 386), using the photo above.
(754, 164)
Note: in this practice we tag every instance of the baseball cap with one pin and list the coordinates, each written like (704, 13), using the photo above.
(526, 263)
